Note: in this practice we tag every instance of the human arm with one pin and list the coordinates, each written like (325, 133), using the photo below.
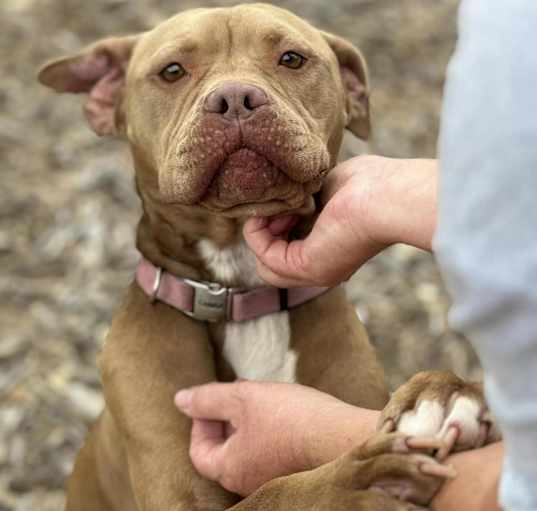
(476, 484)
(371, 202)
(278, 429)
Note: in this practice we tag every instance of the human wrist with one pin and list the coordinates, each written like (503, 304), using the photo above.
(402, 207)
(338, 429)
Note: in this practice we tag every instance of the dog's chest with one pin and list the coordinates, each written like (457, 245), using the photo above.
(259, 349)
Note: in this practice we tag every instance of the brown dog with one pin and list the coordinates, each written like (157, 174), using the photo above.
(229, 113)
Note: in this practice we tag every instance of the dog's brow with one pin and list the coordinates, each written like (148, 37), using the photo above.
(188, 45)
(277, 38)
(182, 44)
(274, 37)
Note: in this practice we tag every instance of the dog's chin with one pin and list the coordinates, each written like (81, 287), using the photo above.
(264, 209)
(248, 184)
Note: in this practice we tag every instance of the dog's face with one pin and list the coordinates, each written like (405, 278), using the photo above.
(238, 110)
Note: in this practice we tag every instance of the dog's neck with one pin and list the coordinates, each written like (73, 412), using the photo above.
(168, 235)
(190, 241)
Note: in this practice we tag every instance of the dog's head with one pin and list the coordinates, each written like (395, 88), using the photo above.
(239, 110)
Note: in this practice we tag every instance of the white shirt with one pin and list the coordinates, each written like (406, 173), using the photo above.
(486, 241)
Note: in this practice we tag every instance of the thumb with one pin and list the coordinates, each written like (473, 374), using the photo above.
(287, 259)
(214, 401)
(207, 448)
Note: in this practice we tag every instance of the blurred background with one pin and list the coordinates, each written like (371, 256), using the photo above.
(68, 211)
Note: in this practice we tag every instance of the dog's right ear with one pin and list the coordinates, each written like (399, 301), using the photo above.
(99, 71)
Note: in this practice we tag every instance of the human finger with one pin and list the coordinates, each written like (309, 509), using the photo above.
(206, 447)
(214, 401)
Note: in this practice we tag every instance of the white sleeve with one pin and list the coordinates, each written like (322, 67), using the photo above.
(486, 241)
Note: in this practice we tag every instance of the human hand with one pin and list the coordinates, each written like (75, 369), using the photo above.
(245, 434)
(371, 202)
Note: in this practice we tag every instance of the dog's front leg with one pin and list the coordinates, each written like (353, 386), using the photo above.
(150, 353)
(388, 473)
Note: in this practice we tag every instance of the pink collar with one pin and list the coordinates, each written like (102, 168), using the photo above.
(207, 301)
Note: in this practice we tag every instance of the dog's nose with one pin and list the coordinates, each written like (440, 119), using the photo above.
(235, 100)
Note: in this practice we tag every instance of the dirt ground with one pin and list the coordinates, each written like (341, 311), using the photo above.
(67, 216)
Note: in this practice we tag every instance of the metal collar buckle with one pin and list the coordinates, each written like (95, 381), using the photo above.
(212, 302)
(156, 285)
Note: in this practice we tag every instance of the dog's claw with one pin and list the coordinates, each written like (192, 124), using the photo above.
(425, 443)
(388, 427)
(449, 441)
(437, 470)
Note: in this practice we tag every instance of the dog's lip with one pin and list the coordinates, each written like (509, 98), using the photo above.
(214, 171)
(218, 168)
(245, 175)
(268, 209)
(245, 203)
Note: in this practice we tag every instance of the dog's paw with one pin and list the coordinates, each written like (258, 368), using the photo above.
(390, 472)
(443, 406)
(396, 466)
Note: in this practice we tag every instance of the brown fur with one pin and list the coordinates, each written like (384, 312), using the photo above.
(136, 456)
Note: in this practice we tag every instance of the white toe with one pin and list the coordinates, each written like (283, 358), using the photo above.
(465, 414)
(425, 421)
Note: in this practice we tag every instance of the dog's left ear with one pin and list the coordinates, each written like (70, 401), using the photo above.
(353, 70)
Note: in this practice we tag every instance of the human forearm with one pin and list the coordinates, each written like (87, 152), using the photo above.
(346, 427)
(476, 485)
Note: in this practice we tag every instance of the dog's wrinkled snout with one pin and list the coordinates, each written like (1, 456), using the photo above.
(235, 100)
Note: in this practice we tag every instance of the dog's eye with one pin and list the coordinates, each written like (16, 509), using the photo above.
(292, 60)
(173, 72)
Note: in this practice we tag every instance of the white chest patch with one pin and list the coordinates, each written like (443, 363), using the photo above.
(258, 349)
